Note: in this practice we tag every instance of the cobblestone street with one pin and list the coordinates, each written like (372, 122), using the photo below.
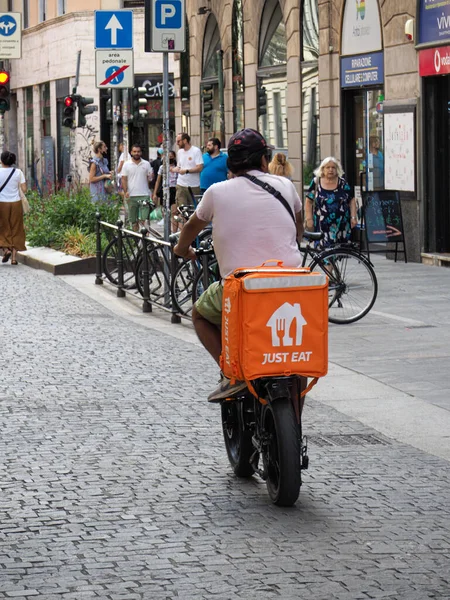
(115, 483)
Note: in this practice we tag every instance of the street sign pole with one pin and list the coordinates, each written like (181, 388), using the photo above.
(166, 167)
(125, 121)
(115, 109)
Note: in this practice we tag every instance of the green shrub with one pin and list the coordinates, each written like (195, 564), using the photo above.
(308, 173)
(61, 220)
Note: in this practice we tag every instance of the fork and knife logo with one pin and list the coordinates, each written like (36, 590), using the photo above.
(280, 324)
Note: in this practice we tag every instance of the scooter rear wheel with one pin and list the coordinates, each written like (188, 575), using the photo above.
(281, 455)
(238, 439)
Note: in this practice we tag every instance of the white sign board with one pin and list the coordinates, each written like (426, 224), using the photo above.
(361, 27)
(114, 69)
(10, 35)
(167, 25)
(399, 158)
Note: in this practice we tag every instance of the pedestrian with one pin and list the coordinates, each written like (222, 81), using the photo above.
(157, 192)
(214, 165)
(377, 160)
(330, 205)
(123, 158)
(136, 177)
(189, 166)
(279, 165)
(249, 226)
(12, 185)
(100, 177)
(155, 165)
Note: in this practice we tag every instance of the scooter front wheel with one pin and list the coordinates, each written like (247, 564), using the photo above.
(238, 439)
(281, 453)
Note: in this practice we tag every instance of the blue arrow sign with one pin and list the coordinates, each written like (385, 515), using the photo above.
(8, 25)
(114, 29)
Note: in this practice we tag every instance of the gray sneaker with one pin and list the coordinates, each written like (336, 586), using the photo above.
(226, 389)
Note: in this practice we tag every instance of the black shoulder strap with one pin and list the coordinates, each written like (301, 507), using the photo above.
(6, 182)
(273, 191)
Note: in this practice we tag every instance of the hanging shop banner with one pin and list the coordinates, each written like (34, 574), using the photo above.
(434, 22)
(362, 70)
(434, 61)
(399, 171)
(361, 27)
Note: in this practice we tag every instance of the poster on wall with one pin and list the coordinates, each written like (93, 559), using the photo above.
(361, 27)
(434, 22)
(399, 151)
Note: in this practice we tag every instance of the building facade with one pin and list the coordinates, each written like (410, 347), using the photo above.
(385, 107)
(244, 68)
(54, 32)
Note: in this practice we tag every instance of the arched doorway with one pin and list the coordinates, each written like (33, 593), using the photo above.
(271, 74)
(211, 92)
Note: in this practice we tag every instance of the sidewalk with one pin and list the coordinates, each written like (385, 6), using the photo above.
(390, 370)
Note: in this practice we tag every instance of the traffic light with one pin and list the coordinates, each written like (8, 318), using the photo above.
(262, 100)
(84, 109)
(208, 106)
(184, 93)
(69, 112)
(109, 108)
(5, 92)
(139, 104)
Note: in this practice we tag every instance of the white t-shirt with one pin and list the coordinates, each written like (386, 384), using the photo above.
(11, 192)
(188, 159)
(138, 177)
(250, 225)
(123, 157)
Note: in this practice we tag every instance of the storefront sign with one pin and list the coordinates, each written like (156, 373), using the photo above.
(434, 21)
(361, 27)
(362, 70)
(399, 172)
(434, 61)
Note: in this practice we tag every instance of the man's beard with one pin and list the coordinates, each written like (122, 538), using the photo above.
(210, 150)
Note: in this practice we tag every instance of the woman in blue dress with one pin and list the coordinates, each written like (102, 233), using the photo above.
(330, 205)
(99, 173)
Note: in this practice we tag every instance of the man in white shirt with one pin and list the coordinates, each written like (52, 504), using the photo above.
(189, 166)
(250, 226)
(136, 176)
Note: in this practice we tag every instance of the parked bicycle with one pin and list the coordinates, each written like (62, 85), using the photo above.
(352, 283)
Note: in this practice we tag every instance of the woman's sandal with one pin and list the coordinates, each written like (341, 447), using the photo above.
(14, 262)
(6, 256)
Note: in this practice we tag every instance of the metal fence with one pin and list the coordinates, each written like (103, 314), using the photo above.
(137, 264)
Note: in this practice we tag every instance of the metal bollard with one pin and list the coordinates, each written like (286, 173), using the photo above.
(175, 318)
(98, 251)
(120, 286)
(146, 305)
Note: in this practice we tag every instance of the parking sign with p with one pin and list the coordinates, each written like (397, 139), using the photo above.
(165, 29)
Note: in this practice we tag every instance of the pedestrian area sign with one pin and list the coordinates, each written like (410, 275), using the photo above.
(114, 69)
(165, 26)
(10, 35)
(114, 29)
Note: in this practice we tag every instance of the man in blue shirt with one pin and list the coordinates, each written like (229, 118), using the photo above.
(214, 165)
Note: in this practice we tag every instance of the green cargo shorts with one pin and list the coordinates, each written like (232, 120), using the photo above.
(136, 210)
(209, 305)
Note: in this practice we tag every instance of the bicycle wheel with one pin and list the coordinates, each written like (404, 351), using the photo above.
(155, 272)
(200, 285)
(353, 286)
(281, 452)
(130, 251)
(181, 286)
(237, 438)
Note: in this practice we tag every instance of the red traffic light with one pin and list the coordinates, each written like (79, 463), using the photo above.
(4, 77)
(68, 101)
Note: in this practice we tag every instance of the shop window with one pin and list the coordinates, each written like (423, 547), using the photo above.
(211, 47)
(238, 65)
(45, 109)
(29, 133)
(272, 39)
